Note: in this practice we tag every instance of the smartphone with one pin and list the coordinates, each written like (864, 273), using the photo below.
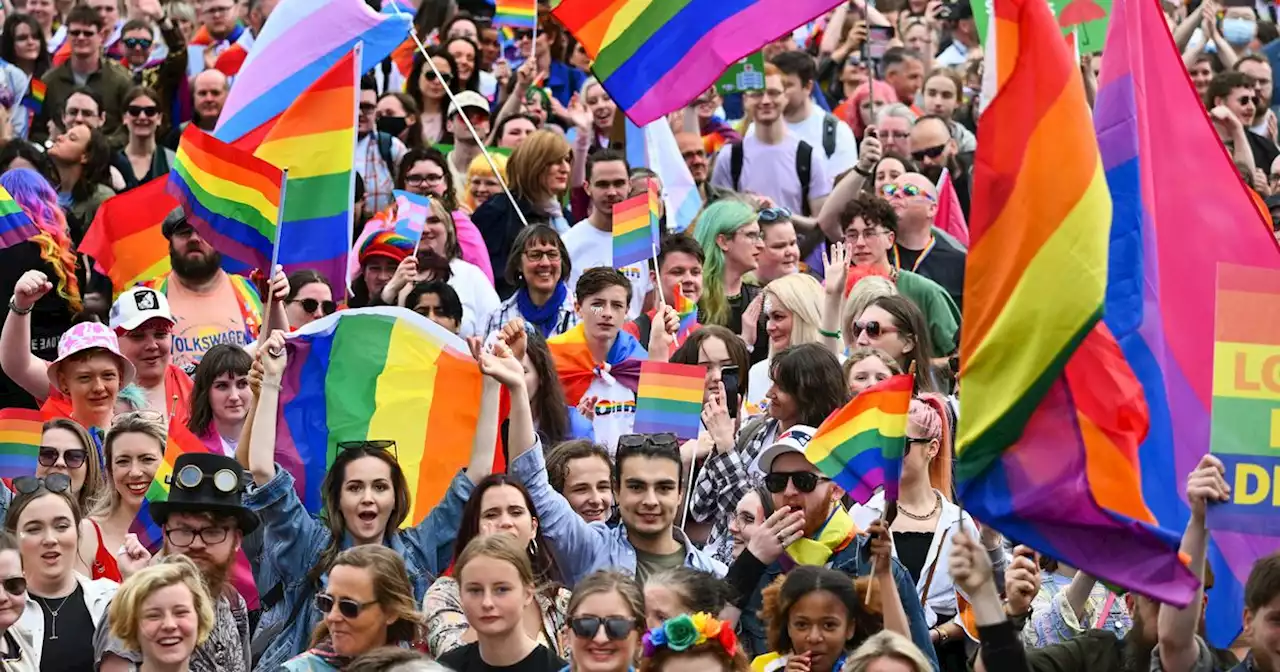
(729, 378)
(878, 38)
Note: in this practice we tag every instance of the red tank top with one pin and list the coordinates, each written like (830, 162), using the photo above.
(104, 563)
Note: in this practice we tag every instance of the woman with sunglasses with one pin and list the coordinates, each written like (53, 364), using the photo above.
(67, 449)
(499, 505)
(141, 159)
(133, 449)
(365, 501)
(894, 325)
(220, 398)
(310, 298)
(497, 591)
(16, 654)
(367, 603)
(606, 618)
(164, 612)
(63, 607)
(428, 91)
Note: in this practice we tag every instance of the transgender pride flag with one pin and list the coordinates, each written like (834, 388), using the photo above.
(1170, 229)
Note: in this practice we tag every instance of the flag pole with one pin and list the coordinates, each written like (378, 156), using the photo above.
(275, 257)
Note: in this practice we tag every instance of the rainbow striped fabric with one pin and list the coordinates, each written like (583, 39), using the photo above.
(230, 197)
(20, 432)
(15, 225)
(654, 56)
(577, 368)
(687, 309)
(516, 13)
(34, 99)
(861, 445)
(315, 139)
(1053, 413)
(125, 239)
(635, 228)
(1172, 230)
(669, 399)
(181, 441)
(378, 374)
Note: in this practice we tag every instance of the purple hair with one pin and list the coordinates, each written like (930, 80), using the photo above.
(39, 200)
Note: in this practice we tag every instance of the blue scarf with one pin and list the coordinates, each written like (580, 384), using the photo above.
(547, 316)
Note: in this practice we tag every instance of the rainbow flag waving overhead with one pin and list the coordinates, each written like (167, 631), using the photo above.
(231, 198)
(635, 228)
(669, 399)
(654, 56)
(516, 13)
(378, 374)
(15, 225)
(1047, 450)
(20, 432)
(315, 139)
(861, 445)
(181, 441)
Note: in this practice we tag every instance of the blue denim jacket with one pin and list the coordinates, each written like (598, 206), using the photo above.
(292, 541)
(854, 560)
(581, 547)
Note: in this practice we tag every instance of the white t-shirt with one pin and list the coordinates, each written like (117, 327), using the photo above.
(615, 411)
(590, 247)
(478, 297)
(770, 170)
(810, 130)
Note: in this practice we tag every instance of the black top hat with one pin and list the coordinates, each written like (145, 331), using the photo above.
(206, 483)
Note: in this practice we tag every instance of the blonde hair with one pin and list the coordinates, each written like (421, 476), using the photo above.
(503, 547)
(480, 168)
(126, 607)
(802, 296)
(887, 644)
(864, 292)
(452, 250)
(605, 581)
(528, 165)
(859, 354)
(391, 590)
(95, 484)
(148, 423)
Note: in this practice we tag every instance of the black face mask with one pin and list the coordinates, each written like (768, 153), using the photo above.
(392, 125)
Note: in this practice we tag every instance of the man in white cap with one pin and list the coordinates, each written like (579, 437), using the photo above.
(465, 148)
(144, 324)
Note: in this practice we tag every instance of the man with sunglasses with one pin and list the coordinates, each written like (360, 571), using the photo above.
(1234, 92)
(86, 67)
(830, 537)
(204, 520)
(934, 148)
(917, 247)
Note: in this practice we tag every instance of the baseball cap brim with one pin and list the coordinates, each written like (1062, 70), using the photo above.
(142, 318)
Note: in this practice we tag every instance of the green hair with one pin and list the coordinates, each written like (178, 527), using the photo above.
(723, 217)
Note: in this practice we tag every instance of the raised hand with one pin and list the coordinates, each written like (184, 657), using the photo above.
(279, 286)
(1207, 484)
(498, 363)
(750, 318)
(870, 151)
(514, 335)
(272, 356)
(779, 531)
(715, 416)
(970, 566)
(881, 546)
(30, 288)
(132, 556)
(578, 113)
(1021, 581)
(837, 264)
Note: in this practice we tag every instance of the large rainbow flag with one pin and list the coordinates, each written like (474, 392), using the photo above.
(315, 139)
(231, 198)
(377, 374)
(654, 56)
(1048, 446)
(301, 41)
(1160, 290)
(125, 240)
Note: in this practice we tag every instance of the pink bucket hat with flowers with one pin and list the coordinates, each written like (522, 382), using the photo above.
(86, 336)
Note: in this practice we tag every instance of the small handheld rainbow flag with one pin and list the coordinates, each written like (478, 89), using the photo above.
(34, 100)
(15, 225)
(20, 431)
(635, 228)
(181, 441)
(860, 446)
(669, 399)
(516, 13)
(687, 309)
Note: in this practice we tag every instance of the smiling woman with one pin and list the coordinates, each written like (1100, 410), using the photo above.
(163, 611)
(220, 398)
(134, 449)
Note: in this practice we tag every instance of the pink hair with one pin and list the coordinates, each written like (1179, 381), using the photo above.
(39, 201)
(883, 92)
(928, 414)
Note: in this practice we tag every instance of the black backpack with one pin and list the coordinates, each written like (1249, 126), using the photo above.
(829, 134)
(804, 165)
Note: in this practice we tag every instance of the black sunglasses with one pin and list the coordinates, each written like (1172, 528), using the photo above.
(615, 627)
(310, 305)
(73, 457)
(137, 42)
(142, 110)
(930, 153)
(348, 607)
(804, 481)
(659, 440)
(14, 586)
(444, 77)
(28, 485)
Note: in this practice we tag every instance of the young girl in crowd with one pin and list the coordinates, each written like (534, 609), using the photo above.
(66, 448)
(554, 419)
(16, 654)
(887, 651)
(482, 182)
(499, 505)
(606, 619)
(729, 234)
(692, 643)
(221, 398)
(682, 590)
(894, 325)
(497, 585)
(367, 603)
(865, 367)
(84, 382)
(428, 91)
(164, 612)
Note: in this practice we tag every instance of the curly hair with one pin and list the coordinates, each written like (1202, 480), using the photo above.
(873, 210)
(780, 596)
(37, 198)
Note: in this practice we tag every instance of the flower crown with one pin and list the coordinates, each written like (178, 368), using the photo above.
(686, 631)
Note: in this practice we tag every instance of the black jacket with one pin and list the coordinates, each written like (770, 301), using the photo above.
(499, 224)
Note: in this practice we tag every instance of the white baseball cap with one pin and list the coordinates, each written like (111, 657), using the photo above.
(468, 99)
(137, 305)
(793, 440)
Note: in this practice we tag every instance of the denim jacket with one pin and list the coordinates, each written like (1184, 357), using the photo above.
(292, 541)
(854, 560)
(581, 547)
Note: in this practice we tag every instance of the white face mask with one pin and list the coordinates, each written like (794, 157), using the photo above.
(1239, 31)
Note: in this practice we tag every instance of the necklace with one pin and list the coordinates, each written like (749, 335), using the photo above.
(44, 603)
(937, 504)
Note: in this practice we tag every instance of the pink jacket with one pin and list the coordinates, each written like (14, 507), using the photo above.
(472, 243)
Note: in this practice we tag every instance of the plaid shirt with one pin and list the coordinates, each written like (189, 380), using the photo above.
(724, 480)
(509, 310)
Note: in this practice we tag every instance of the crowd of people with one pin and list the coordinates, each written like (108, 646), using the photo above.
(817, 271)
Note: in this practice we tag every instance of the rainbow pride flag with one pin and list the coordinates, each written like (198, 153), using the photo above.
(34, 99)
(516, 13)
(1047, 452)
(861, 446)
(315, 139)
(181, 441)
(20, 432)
(378, 374)
(230, 197)
(669, 399)
(577, 368)
(125, 240)
(635, 228)
(654, 57)
(1172, 228)
(15, 225)
(687, 309)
